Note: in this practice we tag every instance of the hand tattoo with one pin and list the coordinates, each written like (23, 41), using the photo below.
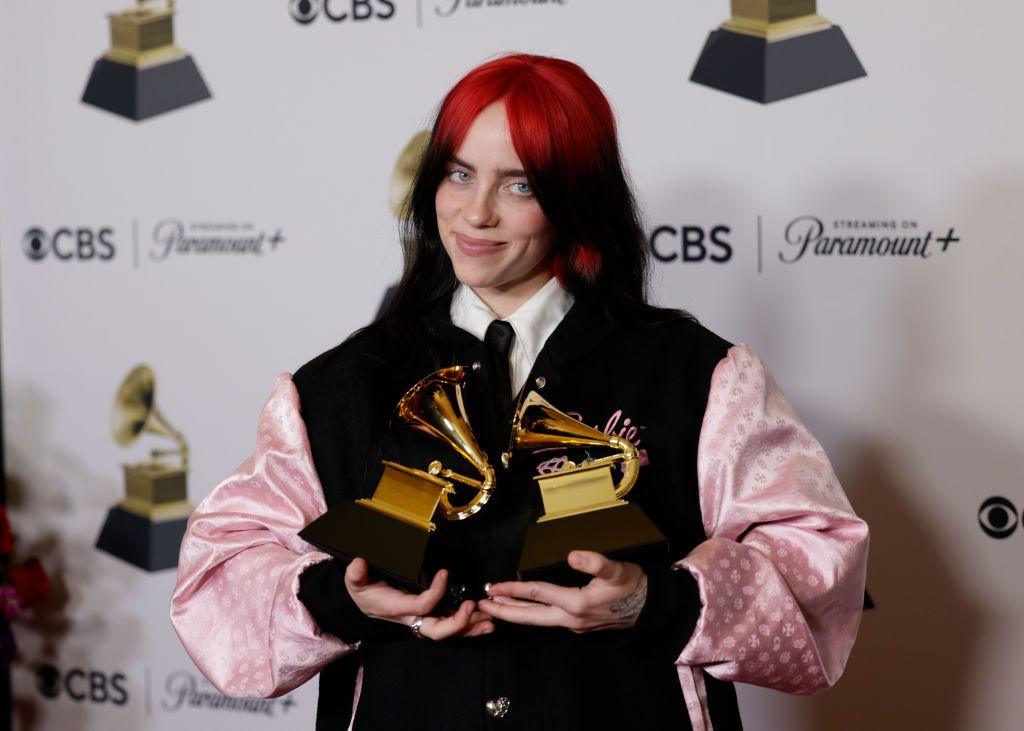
(630, 605)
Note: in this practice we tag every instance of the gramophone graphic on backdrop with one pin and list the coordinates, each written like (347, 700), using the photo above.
(774, 49)
(146, 527)
(144, 74)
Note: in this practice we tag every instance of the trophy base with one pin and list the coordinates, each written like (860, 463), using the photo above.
(141, 93)
(150, 545)
(392, 547)
(623, 533)
(765, 72)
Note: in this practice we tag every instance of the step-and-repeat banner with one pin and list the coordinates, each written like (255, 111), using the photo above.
(198, 196)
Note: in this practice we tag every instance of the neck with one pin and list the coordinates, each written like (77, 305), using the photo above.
(507, 298)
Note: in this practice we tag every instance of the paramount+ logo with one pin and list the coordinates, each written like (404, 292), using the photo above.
(69, 244)
(305, 12)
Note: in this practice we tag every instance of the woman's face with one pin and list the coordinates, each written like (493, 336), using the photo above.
(491, 225)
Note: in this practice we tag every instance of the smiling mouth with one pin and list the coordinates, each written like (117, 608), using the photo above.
(471, 241)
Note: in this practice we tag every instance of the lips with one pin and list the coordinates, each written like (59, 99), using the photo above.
(472, 246)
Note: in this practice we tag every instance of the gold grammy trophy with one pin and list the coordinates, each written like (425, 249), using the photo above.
(774, 49)
(392, 529)
(583, 506)
(144, 73)
(147, 526)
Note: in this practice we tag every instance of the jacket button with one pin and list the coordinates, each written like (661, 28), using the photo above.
(497, 707)
(457, 593)
(541, 381)
(476, 365)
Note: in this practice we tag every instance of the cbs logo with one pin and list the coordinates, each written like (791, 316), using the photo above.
(690, 244)
(306, 11)
(80, 685)
(998, 517)
(67, 244)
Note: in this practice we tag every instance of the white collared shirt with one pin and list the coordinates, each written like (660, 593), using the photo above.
(533, 322)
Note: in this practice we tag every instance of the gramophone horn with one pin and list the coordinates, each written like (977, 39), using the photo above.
(135, 412)
(429, 407)
(538, 424)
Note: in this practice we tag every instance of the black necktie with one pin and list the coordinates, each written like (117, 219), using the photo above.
(498, 340)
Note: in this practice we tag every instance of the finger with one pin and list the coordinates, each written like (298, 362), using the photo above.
(396, 603)
(439, 628)
(478, 617)
(357, 573)
(478, 629)
(540, 615)
(510, 602)
(597, 565)
(539, 591)
(427, 600)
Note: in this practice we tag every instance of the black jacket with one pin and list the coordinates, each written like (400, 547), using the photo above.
(601, 365)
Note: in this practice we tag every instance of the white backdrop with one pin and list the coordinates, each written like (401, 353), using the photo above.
(907, 369)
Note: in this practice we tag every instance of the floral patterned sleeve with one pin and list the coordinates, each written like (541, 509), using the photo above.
(235, 606)
(781, 574)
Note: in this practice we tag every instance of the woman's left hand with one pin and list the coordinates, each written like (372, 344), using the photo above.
(612, 600)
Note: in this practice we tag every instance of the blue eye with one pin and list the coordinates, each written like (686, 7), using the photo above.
(522, 188)
(455, 172)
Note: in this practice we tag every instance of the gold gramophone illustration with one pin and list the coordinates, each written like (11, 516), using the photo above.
(147, 526)
(144, 73)
(392, 529)
(404, 173)
(774, 49)
(583, 506)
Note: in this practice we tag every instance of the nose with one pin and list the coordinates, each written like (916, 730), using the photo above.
(480, 211)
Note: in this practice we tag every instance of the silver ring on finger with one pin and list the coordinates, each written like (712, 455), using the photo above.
(415, 626)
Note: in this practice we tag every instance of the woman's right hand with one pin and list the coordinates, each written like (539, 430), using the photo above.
(380, 600)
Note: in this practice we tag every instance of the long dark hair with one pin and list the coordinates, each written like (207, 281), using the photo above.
(564, 132)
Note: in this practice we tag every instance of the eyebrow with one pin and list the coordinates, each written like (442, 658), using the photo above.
(514, 173)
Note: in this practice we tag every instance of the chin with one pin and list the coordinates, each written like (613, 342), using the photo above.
(475, 276)
(475, 279)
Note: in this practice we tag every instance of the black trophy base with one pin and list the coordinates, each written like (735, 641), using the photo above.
(393, 548)
(623, 533)
(765, 72)
(148, 544)
(143, 93)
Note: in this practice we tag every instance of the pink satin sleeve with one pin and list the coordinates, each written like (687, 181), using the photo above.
(781, 574)
(235, 605)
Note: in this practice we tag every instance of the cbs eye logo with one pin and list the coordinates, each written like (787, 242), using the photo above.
(998, 517)
(306, 11)
(69, 244)
(82, 686)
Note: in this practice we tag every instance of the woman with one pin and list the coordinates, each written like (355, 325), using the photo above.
(523, 253)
